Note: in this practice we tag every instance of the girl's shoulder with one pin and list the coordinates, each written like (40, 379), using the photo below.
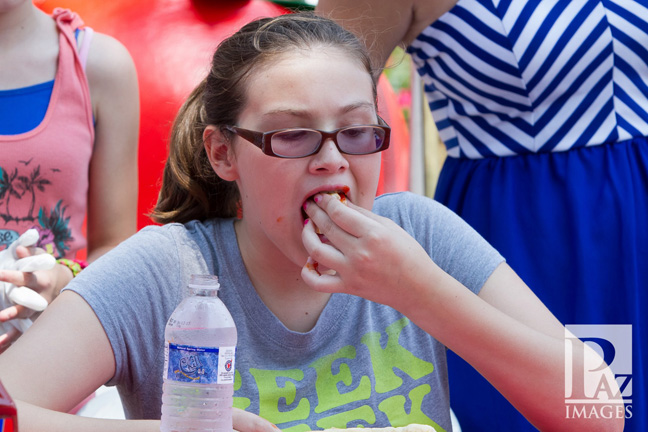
(406, 203)
(110, 70)
(107, 56)
(175, 231)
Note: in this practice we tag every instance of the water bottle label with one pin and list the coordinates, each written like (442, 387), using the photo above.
(199, 365)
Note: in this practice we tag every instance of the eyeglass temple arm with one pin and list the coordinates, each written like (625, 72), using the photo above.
(255, 138)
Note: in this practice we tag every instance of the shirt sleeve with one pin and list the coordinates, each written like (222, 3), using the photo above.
(133, 289)
(451, 243)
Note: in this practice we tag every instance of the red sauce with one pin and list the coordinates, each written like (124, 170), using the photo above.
(311, 265)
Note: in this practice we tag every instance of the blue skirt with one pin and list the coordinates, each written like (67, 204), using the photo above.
(574, 226)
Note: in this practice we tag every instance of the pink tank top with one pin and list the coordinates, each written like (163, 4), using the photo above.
(44, 172)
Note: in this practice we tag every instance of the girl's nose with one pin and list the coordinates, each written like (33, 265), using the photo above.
(329, 158)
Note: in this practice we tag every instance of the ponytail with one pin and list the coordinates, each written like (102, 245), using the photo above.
(190, 187)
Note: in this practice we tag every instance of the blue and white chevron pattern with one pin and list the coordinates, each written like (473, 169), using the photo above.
(525, 76)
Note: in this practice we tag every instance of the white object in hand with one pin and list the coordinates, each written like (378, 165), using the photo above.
(10, 294)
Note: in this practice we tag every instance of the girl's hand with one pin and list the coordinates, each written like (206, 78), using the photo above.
(372, 256)
(247, 422)
(48, 283)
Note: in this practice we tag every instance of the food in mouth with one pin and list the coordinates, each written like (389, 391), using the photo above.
(340, 196)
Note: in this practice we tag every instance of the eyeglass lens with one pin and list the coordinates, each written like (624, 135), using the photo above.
(302, 142)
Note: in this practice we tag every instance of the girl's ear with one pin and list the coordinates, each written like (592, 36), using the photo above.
(220, 154)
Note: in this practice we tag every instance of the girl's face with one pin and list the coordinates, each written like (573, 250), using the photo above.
(323, 88)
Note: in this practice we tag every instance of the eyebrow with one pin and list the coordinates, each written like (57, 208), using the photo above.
(306, 114)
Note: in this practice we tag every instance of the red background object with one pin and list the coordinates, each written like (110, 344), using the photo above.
(171, 42)
(8, 413)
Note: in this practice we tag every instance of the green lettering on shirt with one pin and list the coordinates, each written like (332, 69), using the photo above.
(341, 420)
(393, 356)
(394, 409)
(326, 387)
(270, 393)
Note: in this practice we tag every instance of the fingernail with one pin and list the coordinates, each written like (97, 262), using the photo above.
(305, 205)
(317, 198)
(306, 221)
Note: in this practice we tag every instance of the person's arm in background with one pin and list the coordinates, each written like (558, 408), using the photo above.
(112, 195)
(384, 25)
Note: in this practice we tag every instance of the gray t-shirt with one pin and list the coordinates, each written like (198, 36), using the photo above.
(363, 364)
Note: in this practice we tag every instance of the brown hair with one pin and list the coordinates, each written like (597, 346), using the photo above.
(190, 187)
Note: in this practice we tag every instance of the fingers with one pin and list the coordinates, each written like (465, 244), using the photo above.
(318, 281)
(36, 262)
(19, 278)
(332, 217)
(25, 251)
(320, 249)
(14, 312)
(244, 421)
(341, 226)
(28, 298)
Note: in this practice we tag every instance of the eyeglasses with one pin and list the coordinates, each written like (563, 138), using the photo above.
(302, 142)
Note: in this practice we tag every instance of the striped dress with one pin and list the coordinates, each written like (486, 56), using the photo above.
(543, 107)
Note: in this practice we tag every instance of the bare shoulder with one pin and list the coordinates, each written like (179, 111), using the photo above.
(111, 73)
(109, 64)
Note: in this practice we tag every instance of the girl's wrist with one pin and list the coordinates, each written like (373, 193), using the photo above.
(68, 270)
(75, 265)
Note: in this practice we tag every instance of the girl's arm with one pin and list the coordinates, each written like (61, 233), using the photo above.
(513, 340)
(381, 25)
(62, 359)
(505, 332)
(384, 24)
(112, 195)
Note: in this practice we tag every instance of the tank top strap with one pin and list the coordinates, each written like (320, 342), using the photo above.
(65, 18)
(67, 22)
(84, 48)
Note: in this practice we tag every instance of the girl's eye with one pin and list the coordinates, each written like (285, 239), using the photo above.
(292, 135)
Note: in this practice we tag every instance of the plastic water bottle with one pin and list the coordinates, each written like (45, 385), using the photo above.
(200, 341)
